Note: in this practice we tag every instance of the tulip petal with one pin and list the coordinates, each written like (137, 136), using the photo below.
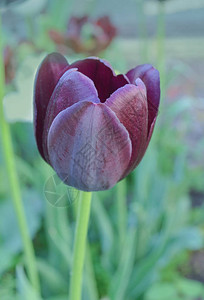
(103, 76)
(130, 105)
(88, 146)
(72, 87)
(150, 77)
(47, 77)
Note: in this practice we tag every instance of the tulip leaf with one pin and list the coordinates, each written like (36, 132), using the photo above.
(9, 230)
(103, 224)
(24, 287)
(162, 291)
(51, 278)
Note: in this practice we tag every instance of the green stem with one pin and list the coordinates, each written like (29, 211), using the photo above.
(84, 207)
(90, 280)
(90, 7)
(14, 184)
(142, 27)
(123, 274)
(30, 28)
(161, 44)
(121, 210)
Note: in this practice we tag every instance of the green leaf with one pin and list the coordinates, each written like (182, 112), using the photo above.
(24, 287)
(7, 288)
(123, 274)
(103, 223)
(9, 231)
(190, 288)
(51, 278)
(161, 291)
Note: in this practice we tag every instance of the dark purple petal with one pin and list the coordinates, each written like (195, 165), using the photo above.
(72, 87)
(88, 146)
(150, 77)
(130, 105)
(47, 77)
(104, 78)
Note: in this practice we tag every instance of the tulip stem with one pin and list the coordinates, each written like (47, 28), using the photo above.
(14, 184)
(83, 213)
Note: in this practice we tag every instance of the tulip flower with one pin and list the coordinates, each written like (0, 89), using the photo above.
(85, 36)
(91, 125)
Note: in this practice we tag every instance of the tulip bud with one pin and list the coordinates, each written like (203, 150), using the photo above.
(91, 125)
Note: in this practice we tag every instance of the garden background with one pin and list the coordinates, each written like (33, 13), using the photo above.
(146, 235)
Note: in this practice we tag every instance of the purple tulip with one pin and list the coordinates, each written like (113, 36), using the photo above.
(91, 125)
(101, 33)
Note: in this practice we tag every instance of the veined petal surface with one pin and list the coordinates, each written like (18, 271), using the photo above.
(88, 146)
(72, 87)
(150, 77)
(130, 105)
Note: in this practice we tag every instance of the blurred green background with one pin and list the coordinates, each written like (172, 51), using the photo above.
(146, 235)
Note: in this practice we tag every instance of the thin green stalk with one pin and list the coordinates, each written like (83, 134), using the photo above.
(84, 207)
(121, 210)
(90, 280)
(14, 184)
(90, 7)
(161, 44)
(142, 31)
(30, 27)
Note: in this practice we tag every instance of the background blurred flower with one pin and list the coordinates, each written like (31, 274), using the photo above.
(21, 98)
(91, 125)
(8, 64)
(86, 36)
